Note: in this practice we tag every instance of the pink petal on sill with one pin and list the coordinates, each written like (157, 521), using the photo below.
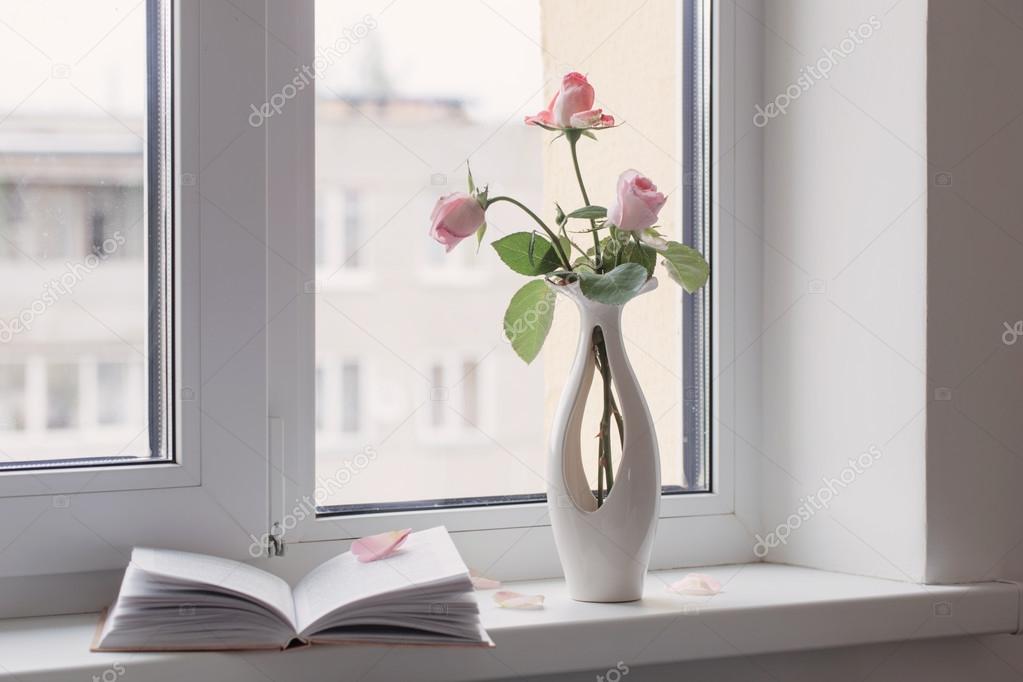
(514, 600)
(481, 582)
(697, 585)
(380, 546)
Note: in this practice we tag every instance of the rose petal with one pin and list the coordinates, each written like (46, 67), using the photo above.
(379, 546)
(514, 600)
(696, 584)
(481, 582)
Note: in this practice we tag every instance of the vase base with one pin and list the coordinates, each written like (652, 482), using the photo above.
(609, 596)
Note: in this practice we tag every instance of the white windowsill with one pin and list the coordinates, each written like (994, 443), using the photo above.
(763, 608)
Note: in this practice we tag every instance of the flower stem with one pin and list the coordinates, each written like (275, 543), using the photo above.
(554, 238)
(573, 138)
(605, 469)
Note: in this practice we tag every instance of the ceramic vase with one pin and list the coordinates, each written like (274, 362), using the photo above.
(604, 551)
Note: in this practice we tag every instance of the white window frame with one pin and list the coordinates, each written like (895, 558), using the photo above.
(214, 496)
(487, 531)
(245, 344)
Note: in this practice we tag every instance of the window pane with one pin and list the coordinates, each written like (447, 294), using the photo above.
(82, 213)
(61, 396)
(113, 393)
(453, 412)
(12, 397)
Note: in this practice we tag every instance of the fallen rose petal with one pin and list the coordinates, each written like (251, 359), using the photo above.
(696, 584)
(514, 600)
(481, 582)
(379, 546)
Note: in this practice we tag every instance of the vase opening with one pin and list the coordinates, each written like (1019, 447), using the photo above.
(596, 492)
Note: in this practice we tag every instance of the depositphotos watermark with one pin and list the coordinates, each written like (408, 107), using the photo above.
(614, 674)
(111, 674)
(812, 74)
(306, 75)
(814, 503)
(306, 507)
(74, 273)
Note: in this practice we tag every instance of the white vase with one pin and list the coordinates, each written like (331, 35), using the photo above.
(604, 551)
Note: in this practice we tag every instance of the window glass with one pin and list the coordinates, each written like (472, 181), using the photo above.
(453, 412)
(80, 160)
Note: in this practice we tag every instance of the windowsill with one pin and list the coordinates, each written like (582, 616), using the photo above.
(764, 608)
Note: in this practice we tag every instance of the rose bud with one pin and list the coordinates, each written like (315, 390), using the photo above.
(455, 217)
(636, 204)
(572, 106)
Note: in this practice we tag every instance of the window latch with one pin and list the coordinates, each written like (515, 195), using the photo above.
(275, 541)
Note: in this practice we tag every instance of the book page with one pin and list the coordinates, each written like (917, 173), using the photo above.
(426, 558)
(219, 574)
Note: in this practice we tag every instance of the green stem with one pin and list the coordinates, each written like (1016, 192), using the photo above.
(605, 469)
(572, 140)
(554, 238)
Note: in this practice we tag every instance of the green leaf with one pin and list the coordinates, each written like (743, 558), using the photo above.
(472, 185)
(479, 235)
(559, 215)
(617, 286)
(580, 264)
(589, 213)
(528, 319)
(527, 253)
(642, 254)
(686, 266)
(589, 134)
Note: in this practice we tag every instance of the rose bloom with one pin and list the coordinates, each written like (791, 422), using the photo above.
(455, 217)
(572, 106)
(636, 204)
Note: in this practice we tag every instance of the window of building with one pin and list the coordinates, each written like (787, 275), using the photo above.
(12, 397)
(62, 395)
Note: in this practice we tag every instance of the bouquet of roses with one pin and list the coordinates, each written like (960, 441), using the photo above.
(626, 245)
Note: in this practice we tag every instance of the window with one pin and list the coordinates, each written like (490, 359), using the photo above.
(85, 269)
(132, 248)
(113, 393)
(340, 399)
(407, 110)
(340, 261)
(62, 395)
(344, 356)
(12, 397)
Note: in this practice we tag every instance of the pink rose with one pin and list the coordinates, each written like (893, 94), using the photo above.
(572, 106)
(455, 217)
(636, 203)
(594, 118)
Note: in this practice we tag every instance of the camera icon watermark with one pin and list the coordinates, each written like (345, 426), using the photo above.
(61, 501)
(1012, 332)
(438, 179)
(943, 179)
(60, 71)
(943, 394)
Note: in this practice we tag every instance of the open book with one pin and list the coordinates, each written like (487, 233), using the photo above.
(177, 601)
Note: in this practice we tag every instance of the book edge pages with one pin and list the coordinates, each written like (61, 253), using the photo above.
(105, 613)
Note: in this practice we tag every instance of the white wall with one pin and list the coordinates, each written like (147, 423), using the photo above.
(844, 301)
(974, 286)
